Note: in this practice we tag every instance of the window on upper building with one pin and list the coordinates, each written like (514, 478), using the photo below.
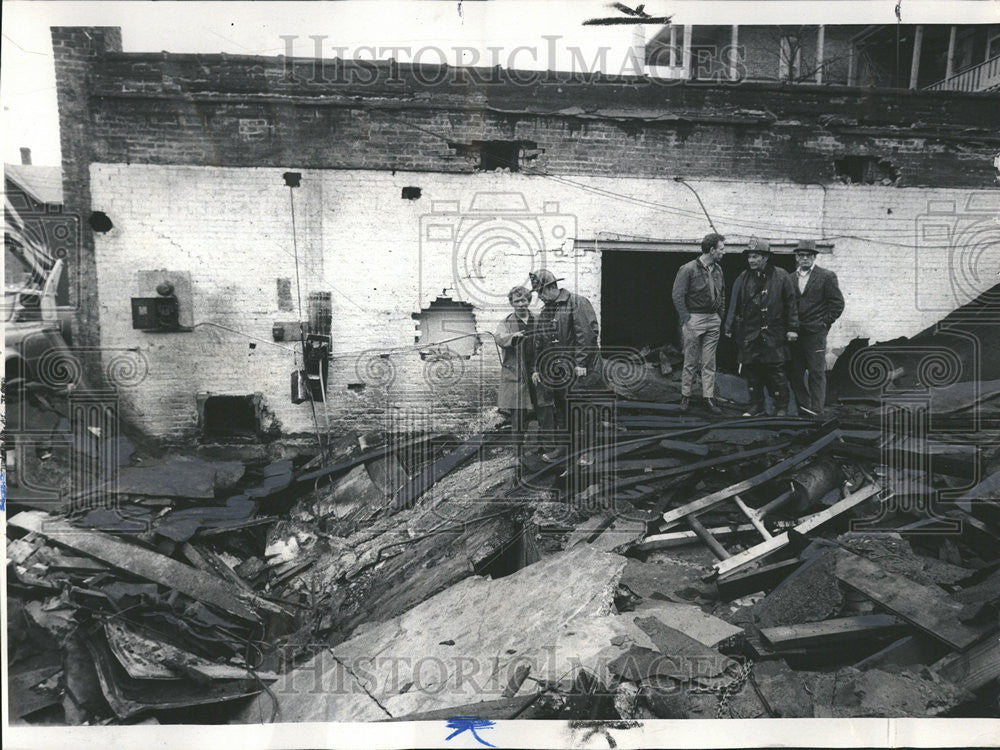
(993, 45)
(789, 58)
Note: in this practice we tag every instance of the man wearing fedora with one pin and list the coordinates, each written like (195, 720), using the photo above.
(765, 320)
(566, 353)
(820, 303)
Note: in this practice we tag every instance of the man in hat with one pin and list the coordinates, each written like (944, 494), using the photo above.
(566, 352)
(765, 320)
(820, 303)
(699, 294)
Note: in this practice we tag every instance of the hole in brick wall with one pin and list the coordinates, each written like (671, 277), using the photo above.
(356, 387)
(230, 416)
(100, 222)
(492, 155)
(865, 170)
(285, 295)
(448, 325)
(411, 193)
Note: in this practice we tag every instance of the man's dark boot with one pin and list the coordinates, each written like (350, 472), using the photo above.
(685, 403)
(712, 406)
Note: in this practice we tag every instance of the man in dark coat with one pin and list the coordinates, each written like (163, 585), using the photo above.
(820, 303)
(765, 320)
(566, 352)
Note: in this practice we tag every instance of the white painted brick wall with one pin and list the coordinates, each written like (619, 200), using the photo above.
(231, 229)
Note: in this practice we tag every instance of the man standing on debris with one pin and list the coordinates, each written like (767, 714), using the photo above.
(566, 353)
(699, 295)
(516, 341)
(765, 320)
(820, 303)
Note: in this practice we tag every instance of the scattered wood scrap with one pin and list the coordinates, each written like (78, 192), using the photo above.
(922, 606)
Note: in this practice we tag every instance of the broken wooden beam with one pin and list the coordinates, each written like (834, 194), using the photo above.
(713, 499)
(689, 468)
(925, 607)
(142, 562)
(769, 546)
(978, 666)
(410, 492)
(832, 632)
(680, 538)
(683, 446)
(710, 541)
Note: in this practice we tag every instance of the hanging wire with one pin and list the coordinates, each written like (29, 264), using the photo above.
(302, 331)
(687, 213)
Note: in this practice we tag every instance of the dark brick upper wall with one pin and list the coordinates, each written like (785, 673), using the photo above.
(256, 111)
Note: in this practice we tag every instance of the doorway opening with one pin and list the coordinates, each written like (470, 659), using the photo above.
(636, 305)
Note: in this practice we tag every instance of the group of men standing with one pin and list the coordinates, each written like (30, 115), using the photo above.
(777, 320)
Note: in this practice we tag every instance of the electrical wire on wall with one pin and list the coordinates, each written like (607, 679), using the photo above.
(735, 222)
(293, 180)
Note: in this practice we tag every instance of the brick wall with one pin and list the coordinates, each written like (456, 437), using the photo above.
(76, 51)
(185, 154)
(230, 228)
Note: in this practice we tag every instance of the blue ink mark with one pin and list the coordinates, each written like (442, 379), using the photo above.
(3, 491)
(469, 724)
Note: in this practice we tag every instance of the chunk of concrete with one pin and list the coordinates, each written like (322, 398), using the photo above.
(465, 643)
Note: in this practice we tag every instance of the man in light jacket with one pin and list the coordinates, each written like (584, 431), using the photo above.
(699, 294)
(820, 304)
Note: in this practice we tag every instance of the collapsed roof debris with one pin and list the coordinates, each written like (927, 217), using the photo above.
(689, 567)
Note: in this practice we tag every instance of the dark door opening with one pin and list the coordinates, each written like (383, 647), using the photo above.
(636, 305)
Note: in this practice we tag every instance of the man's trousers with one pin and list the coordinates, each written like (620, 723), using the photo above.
(770, 375)
(701, 339)
(809, 356)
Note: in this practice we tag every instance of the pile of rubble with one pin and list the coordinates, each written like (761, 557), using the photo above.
(686, 568)
(678, 565)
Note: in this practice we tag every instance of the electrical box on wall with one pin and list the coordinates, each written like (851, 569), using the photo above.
(166, 305)
(156, 314)
(309, 384)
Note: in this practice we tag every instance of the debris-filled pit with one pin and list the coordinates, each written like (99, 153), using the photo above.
(690, 565)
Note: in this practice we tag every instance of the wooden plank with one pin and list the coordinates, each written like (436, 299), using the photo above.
(710, 541)
(977, 667)
(410, 492)
(923, 606)
(681, 538)
(765, 548)
(753, 516)
(916, 649)
(140, 562)
(711, 463)
(683, 446)
(674, 516)
(831, 632)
